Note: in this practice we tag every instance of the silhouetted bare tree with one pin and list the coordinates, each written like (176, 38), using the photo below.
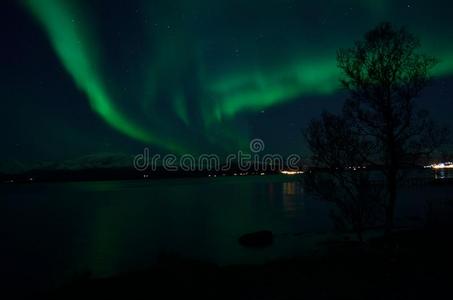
(384, 74)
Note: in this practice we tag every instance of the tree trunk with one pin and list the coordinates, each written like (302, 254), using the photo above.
(390, 208)
(359, 233)
(391, 174)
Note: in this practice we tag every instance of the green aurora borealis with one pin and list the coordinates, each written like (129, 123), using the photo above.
(185, 75)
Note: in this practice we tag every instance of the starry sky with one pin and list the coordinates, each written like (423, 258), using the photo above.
(188, 76)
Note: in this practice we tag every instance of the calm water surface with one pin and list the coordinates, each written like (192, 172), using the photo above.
(52, 232)
(55, 231)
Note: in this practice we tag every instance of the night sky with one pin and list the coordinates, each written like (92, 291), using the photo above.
(84, 78)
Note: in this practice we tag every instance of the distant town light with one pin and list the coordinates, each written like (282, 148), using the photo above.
(444, 165)
(291, 172)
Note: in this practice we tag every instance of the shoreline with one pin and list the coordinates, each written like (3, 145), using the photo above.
(410, 263)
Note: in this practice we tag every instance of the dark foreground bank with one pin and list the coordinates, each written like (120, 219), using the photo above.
(416, 264)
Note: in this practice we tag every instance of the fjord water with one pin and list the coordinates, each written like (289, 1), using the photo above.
(56, 231)
(53, 232)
